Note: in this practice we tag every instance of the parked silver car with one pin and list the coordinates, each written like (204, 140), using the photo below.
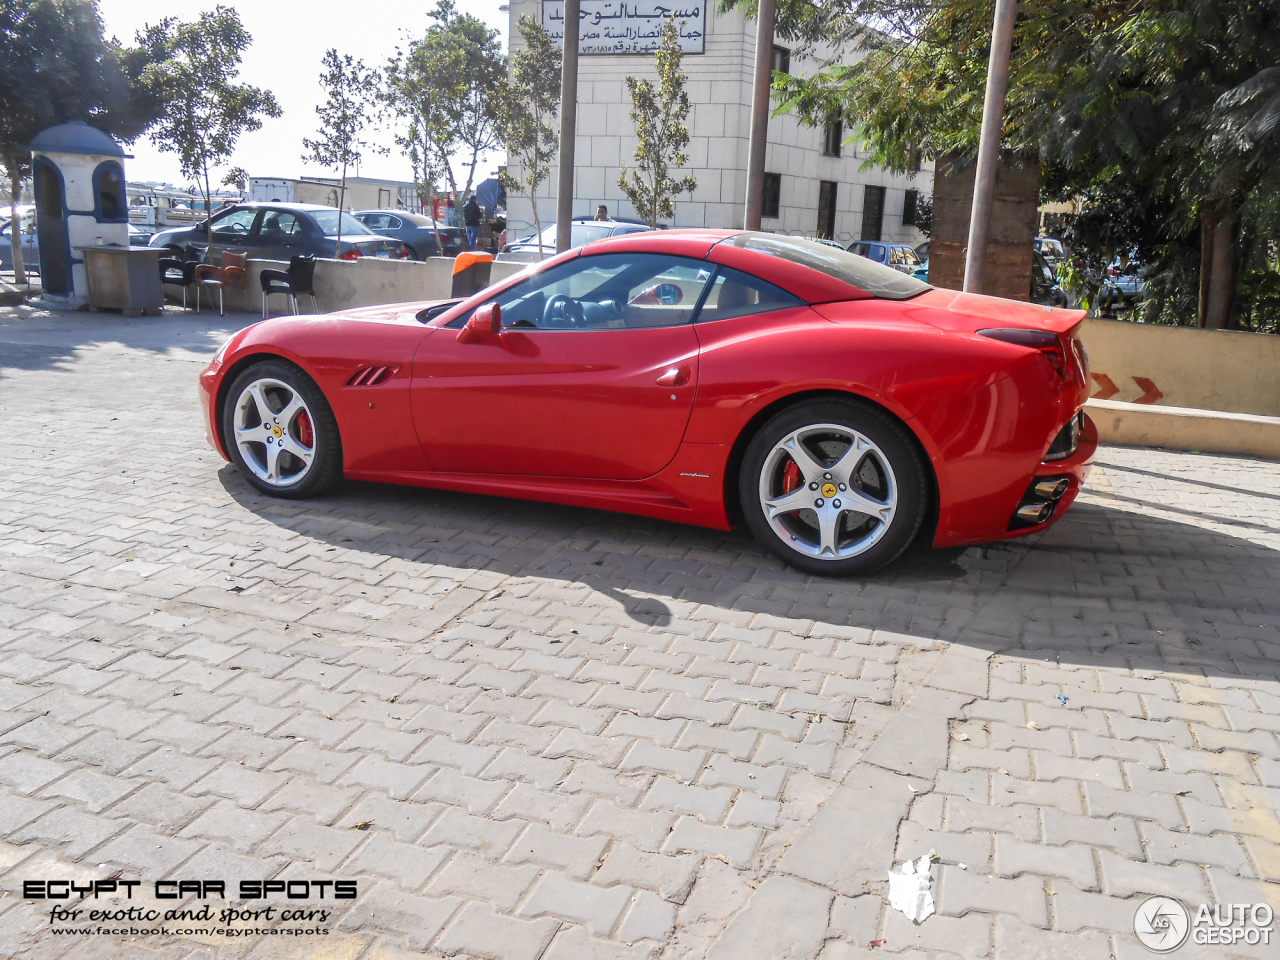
(582, 232)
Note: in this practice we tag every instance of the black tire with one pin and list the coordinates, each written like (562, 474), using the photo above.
(413, 254)
(905, 482)
(325, 467)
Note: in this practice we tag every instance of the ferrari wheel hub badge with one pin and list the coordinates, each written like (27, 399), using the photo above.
(828, 489)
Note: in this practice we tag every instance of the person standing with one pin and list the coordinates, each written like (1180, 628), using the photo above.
(471, 219)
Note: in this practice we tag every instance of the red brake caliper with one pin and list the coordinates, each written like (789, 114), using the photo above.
(792, 479)
(306, 435)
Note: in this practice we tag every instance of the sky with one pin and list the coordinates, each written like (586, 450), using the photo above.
(289, 39)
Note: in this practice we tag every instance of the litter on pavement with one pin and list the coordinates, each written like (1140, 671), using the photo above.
(909, 891)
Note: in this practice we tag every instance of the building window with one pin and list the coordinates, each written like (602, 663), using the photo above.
(826, 209)
(781, 59)
(909, 208)
(772, 199)
(832, 137)
(872, 212)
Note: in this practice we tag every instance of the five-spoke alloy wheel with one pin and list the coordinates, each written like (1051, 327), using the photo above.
(280, 431)
(833, 487)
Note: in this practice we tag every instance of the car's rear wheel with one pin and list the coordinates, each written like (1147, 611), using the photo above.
(281, 432)
(834, 487)
(413, 254)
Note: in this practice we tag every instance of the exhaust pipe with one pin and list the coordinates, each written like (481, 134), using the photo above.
(1052, 489)
(1035, 512)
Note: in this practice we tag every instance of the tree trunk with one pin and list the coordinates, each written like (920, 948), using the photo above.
(1207, 224)
(15, 228)
(208, 215)
(1222, 269)
(342, 198)
(537, 222)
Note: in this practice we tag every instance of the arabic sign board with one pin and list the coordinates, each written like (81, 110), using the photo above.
(625, 26)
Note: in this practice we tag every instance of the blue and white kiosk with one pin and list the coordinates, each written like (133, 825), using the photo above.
(80, 202)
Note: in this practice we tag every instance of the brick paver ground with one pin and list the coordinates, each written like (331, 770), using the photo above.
(537, 732)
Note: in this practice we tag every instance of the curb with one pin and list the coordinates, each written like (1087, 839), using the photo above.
(1185, 428)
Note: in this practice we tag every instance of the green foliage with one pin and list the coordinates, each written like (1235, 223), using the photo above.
(529, 104)
(237, 177)
(194, 71)
(1176, 102)
(351, 93)
(55, 66)
(447, 90)
(661, 134)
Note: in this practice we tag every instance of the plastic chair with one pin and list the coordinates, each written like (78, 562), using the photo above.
(298, 279)
(180, 272)
(230, 274)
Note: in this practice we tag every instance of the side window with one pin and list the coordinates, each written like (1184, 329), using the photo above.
(278, 225)
(393, 223)
(235, 223)
(374, 221)
(738, 294)
(861, 249)
(609, 291)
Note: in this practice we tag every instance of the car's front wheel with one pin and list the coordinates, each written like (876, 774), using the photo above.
(280, 431)
(834, 487)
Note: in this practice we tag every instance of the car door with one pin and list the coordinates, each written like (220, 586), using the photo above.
(230, 231)
(592, 376)
(279, 236)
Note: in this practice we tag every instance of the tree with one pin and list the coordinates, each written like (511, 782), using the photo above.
(352, 90)
(1174, 104)
(237, 177)
(661, 135)
(205, 111)
(54, 67)
(447, 88)
(529, 107)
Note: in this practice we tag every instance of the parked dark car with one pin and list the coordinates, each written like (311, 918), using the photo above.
(1044, 282)
(278, 231)
(30, 249)
(900, 256)
(1053, 250)
(415, 231)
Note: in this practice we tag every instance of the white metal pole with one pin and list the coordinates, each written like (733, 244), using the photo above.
(568, 124)
(759, 113)
(984, 182)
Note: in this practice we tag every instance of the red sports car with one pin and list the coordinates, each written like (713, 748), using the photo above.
(838, 408)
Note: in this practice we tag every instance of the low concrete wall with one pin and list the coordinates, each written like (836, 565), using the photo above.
(1226, 370)
(1182, 428)
(341, 284)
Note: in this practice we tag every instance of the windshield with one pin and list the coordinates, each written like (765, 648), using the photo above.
(883, 282)
(580, 234)
(328, 221)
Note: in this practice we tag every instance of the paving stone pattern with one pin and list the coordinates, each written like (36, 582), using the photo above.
(538, 732)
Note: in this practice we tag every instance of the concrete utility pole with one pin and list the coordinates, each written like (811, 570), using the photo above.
(984, 183)
(759, 113)
(568, 124)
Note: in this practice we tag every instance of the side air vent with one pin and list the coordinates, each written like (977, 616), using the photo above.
(372, 376)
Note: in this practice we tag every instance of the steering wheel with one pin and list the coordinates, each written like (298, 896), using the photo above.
(562, 311)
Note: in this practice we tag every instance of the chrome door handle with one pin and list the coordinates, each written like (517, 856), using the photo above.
(674, 377)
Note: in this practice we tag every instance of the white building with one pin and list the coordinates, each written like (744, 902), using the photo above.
(814, 184)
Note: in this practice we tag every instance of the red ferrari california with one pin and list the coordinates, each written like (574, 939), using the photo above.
(838, 408)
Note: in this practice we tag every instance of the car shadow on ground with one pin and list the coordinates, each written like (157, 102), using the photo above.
(35, 338)
(1108, 585)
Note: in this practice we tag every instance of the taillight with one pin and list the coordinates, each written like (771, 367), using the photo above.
(1049, 344)
(1113, 272)
(352, 254)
